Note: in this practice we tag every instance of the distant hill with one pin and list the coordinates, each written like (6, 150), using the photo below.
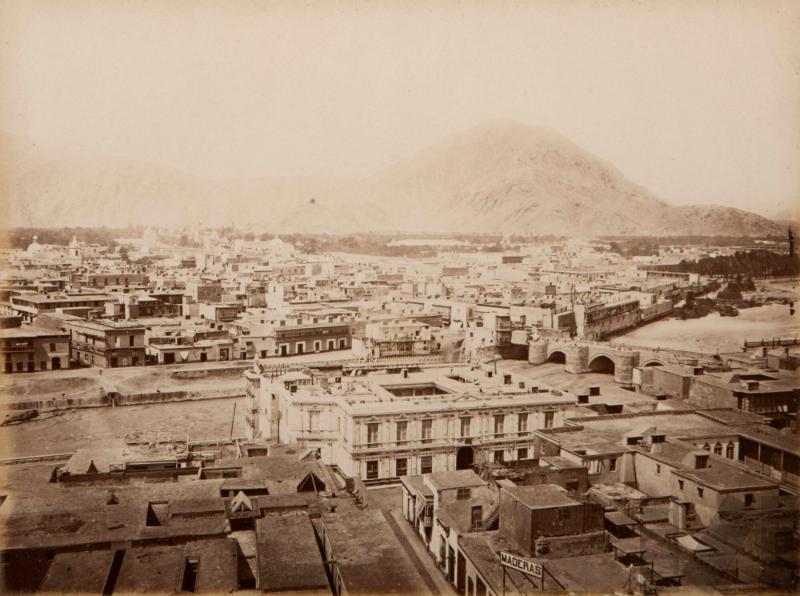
(501, 176)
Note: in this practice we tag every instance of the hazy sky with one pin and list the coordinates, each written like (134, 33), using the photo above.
(697, 100)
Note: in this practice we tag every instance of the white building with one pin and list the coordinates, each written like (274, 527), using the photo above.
(386, 426)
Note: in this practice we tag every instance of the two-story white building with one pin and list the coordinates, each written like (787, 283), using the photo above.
(386, 426)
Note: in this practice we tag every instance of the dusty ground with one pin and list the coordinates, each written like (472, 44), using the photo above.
(776, 288)
(88, 382)
(107, 427)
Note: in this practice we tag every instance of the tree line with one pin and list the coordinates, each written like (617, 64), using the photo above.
(751, 263)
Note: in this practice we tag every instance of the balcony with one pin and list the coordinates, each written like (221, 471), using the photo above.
(87, 347)
(307, 434)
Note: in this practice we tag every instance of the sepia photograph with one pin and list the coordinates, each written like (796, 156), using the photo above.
(366, 297)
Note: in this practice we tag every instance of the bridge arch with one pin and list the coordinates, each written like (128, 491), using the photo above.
(558, 356)
(601, 363)
(653, 363)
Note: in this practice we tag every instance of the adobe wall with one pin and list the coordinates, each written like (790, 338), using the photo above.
(556, 547)
(670, 383)
(710, 396)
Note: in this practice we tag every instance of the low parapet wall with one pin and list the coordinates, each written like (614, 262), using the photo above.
(133, 399)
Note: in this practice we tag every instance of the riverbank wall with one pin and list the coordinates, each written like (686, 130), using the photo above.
(116, 399)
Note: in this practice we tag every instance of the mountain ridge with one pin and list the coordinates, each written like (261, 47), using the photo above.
(500, 176)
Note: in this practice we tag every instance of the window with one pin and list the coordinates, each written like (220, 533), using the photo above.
(498, 456)
(462, 494)
(131, 341)
(465, 426)
(718, 449)
(658, 469)
(749, 499)
(522, 453)
(680, 484)
(402, 431)
(548, 419)
(700, 492)
(426, 464)
(729, 449)
(401, 466)
(372, 470)
(522, 423)
(499, 421)
(372, 432)
(427, 428)
(612, 464)
(313, 420)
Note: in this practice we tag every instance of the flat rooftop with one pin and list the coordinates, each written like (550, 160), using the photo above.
(28, 332)
(454, 479)
(436, 387)
(672, 423)
(542, 496)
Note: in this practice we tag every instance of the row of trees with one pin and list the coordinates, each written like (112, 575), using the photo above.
(22, 237)
(752, 263)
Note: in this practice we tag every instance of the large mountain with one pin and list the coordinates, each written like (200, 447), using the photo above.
(498, 177)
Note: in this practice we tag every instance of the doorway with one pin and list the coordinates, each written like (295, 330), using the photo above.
(465, 457)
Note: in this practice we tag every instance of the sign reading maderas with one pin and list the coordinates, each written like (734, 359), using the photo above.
(520, 564)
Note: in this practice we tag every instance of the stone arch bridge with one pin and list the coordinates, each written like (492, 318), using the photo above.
(584, 356)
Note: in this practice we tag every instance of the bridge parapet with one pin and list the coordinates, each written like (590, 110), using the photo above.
(579, 356)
